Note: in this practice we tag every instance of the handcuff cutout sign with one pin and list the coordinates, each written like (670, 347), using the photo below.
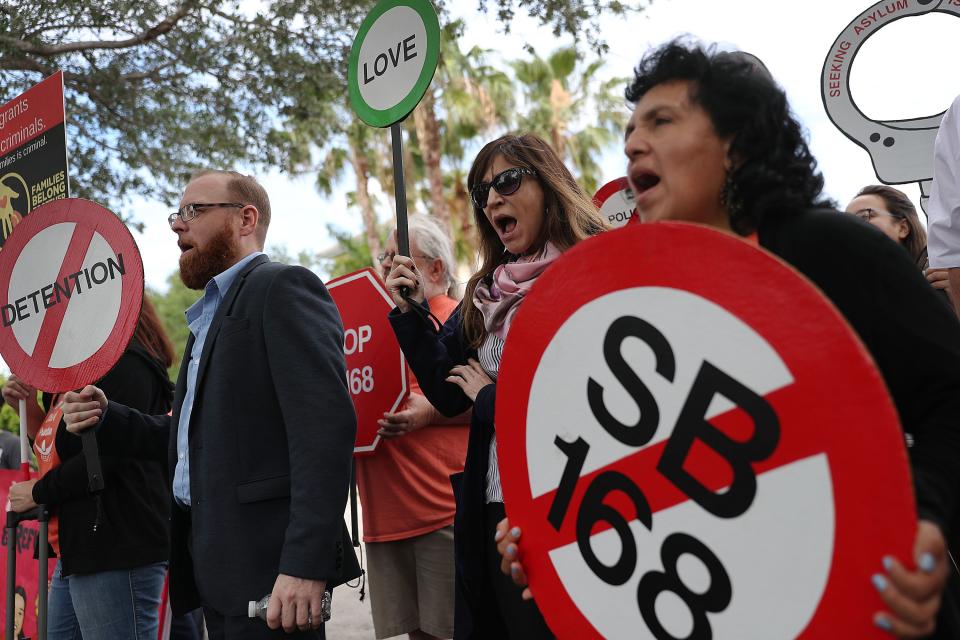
(901, 150)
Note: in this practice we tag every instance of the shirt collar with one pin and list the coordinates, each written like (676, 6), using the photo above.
(225, 279)
(219, 285)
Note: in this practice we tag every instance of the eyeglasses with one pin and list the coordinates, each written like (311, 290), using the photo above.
(505, 183)
(869, 214)
(190, 211)
(393, 254)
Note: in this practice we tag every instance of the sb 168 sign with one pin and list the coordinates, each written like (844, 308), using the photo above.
(692, 443)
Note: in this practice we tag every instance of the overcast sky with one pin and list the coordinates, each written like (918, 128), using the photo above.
(897, 74)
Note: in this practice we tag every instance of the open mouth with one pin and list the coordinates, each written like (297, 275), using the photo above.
(644, 181)
(505, 224)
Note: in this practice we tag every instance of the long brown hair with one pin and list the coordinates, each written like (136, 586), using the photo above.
(900, 206)
(151, 335)
(570, 215)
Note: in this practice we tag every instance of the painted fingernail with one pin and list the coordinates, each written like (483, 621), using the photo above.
(927, 563)
(879, 582)
(883, 623)
(511, 549)
(888, 563)
(515, 532)
(498, 536)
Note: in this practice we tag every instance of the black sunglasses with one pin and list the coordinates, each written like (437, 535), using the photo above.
(505, 183)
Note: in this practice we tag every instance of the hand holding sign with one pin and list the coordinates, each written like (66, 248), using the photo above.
(83, 409)
(404, 282)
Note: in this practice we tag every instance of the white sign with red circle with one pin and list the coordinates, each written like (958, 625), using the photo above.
(71, 286)
(695, 444)
(376, 368)
(616, 203)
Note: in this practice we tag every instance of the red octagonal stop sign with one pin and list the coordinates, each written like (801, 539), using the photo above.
(695, 444)
(376, 368)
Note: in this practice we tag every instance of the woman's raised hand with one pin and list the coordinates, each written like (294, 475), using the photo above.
(405, 274)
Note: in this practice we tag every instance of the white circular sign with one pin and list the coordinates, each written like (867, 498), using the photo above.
(71, 285)
(756, 549)
(391, 57)
(95, 293)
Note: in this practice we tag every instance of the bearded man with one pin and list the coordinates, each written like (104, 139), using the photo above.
(262, 431)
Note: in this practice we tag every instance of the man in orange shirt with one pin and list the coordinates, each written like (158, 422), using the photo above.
(405, 490)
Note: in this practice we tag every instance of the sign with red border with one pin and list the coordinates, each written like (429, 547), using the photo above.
(695, 444)
(71, 287)
(616, 203)
(376, 368)
(33, 152)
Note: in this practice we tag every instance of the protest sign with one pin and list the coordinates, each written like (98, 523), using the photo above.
(392, 62)
(615, 201)
(376, 368)
(393, 59)
(901, 150)
(25, 618)
(33, 152)
(71, 286)
(695, 444)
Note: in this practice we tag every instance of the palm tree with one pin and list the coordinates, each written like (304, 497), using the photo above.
(350, 143)
(561, 92)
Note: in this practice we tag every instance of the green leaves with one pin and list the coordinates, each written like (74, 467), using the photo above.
(158, 89)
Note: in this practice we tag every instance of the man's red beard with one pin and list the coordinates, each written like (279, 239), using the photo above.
(198, 266)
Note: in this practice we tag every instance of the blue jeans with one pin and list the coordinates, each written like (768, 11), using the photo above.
(108, 605)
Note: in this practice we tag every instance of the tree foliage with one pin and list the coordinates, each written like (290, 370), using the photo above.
(158, 89)
(570, 107)
(9, 420)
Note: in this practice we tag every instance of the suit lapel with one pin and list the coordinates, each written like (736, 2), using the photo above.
(214, 330)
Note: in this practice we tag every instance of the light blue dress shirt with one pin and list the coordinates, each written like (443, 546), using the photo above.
(199, 316)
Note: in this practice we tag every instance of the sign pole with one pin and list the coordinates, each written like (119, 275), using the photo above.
(400, 189)
(13, 518)
(24, 441)
(43, 516)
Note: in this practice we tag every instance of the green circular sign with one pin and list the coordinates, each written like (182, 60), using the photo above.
(393, 60)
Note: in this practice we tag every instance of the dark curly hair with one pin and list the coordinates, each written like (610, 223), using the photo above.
(774, 172)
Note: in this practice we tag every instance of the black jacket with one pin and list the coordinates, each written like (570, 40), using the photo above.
(133, 514)
(431, 356)
(914, 339)
(270, 444)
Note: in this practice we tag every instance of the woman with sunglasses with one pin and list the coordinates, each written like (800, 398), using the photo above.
(712, 141)
(528, 210)
(891, 211)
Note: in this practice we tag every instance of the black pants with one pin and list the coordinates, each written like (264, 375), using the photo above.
(221, 627)
(504, 613)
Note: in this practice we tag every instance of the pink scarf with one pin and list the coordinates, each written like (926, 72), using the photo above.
(499, 301)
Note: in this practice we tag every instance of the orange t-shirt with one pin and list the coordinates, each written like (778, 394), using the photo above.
(45, 448)
(405, 485)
